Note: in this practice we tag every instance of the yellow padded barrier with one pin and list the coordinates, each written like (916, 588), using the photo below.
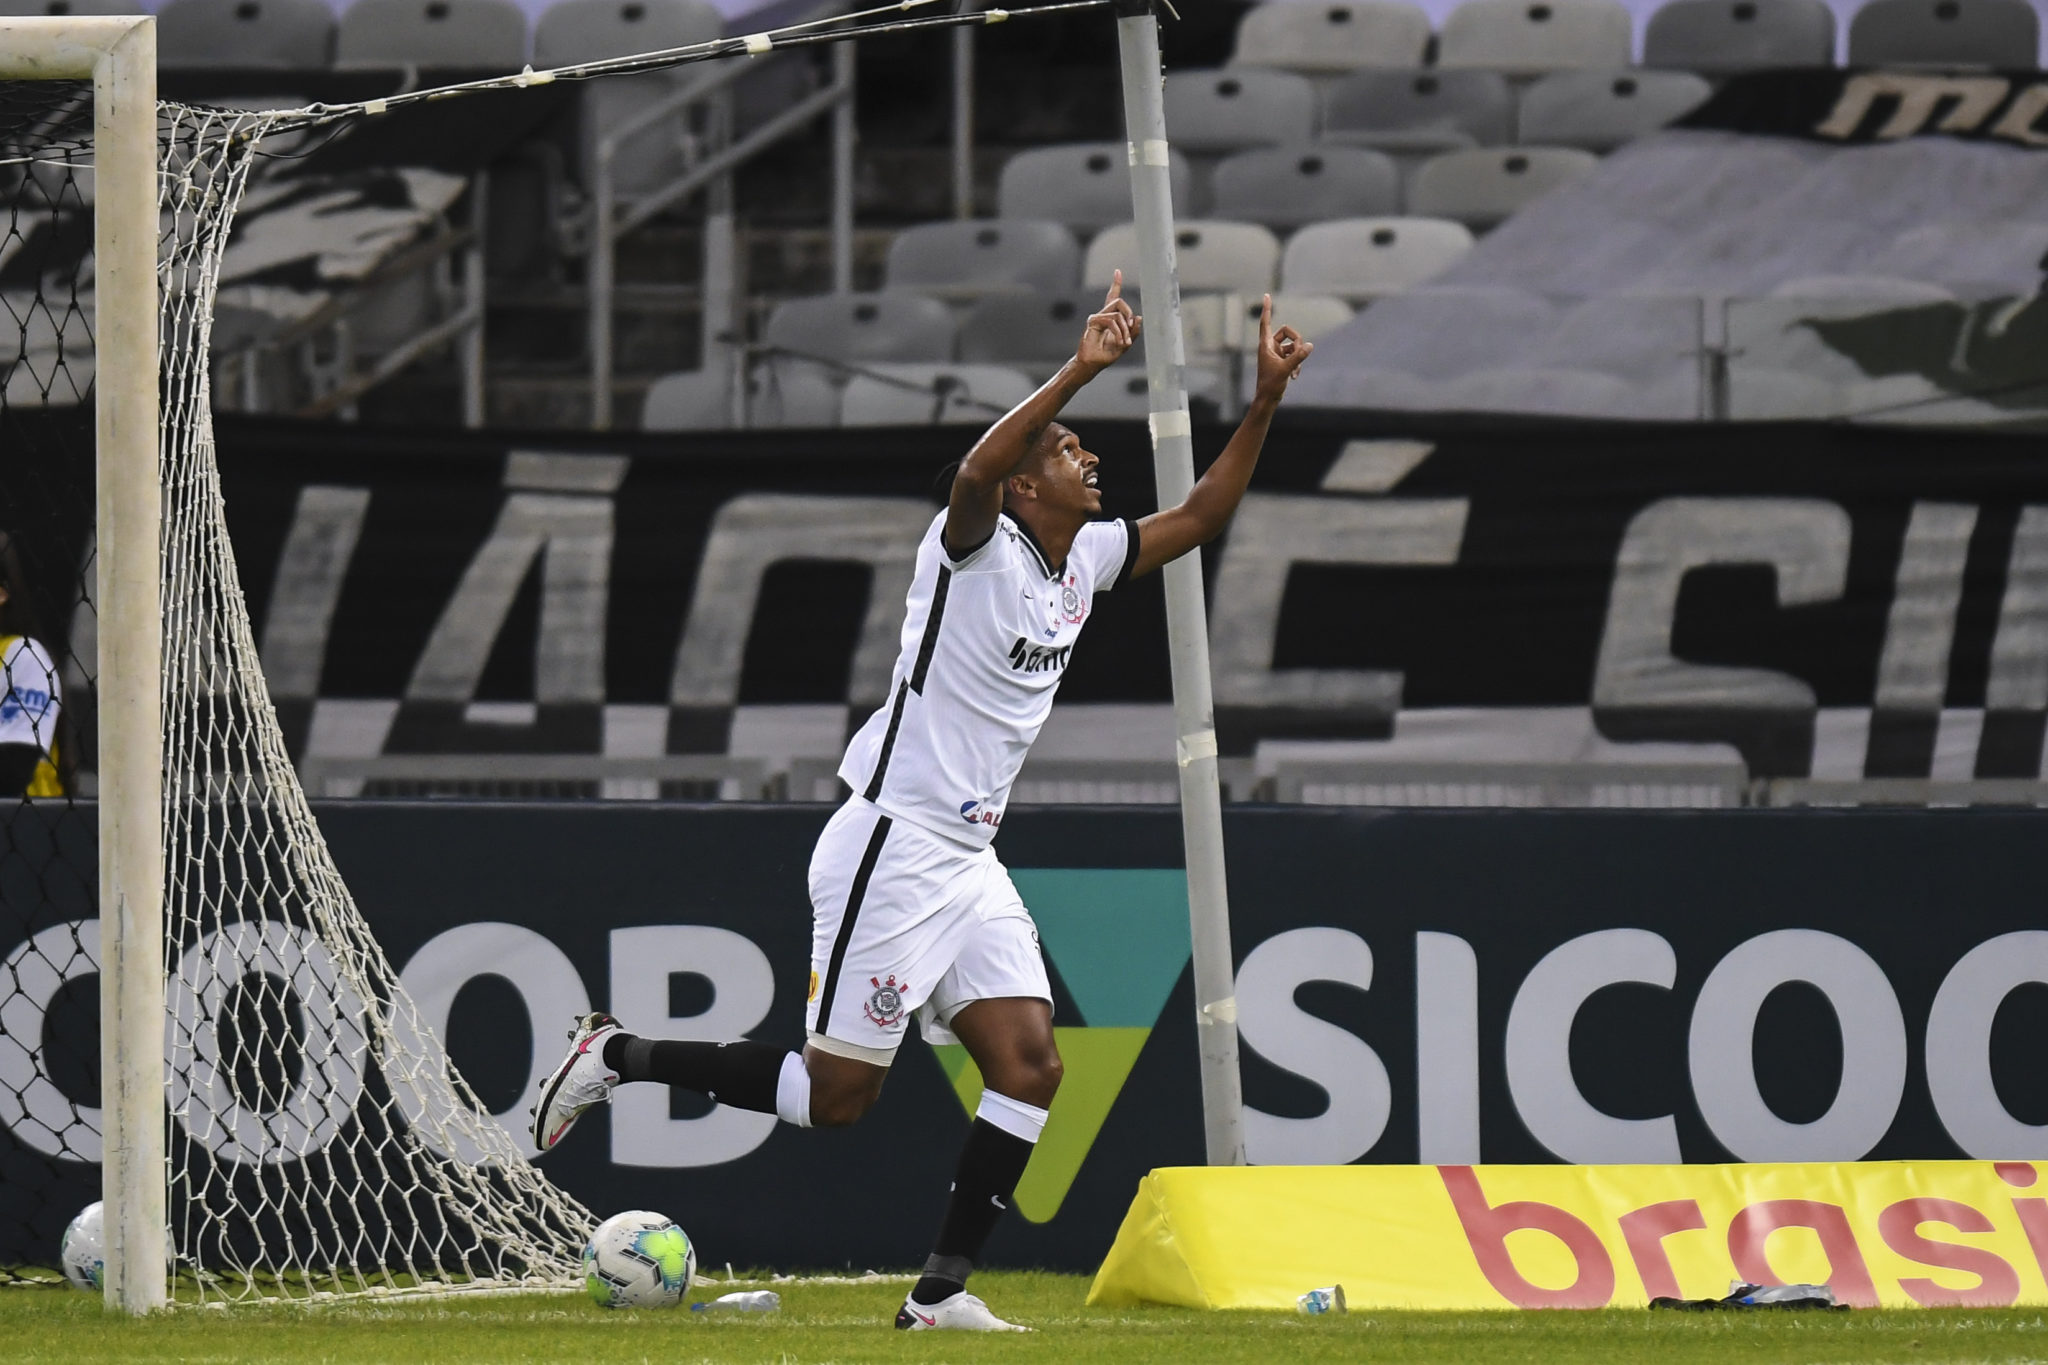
(1934, 1233)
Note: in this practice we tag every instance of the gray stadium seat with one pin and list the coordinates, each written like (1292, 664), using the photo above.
(1720, 37)
(1037, 332)
(1322, 37)
(574, 31)
(778, 395)
(291, 34)
(1997, 33)
(1210, 256)
(1086, 185)
(1361, 259)
(1419, 111)
(1223, 111)
(893, 395)
(1312, 315)
(1524, 37)
(478, 35)
(1481, 187)
(965, 259)
(1600, 110)
(862, 327)
(1285, 187)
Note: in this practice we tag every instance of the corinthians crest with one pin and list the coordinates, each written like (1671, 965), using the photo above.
(1071, 605)
(885, 1006)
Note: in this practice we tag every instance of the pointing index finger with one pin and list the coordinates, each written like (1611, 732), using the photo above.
(1265, 322)
(1116, 288)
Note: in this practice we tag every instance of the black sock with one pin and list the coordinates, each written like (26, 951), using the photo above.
(991, 1164)
(741, 1074)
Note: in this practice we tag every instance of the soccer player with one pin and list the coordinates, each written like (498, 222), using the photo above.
(913, 914)
(28, 691)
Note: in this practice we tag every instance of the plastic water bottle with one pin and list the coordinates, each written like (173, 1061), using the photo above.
(753, 1301)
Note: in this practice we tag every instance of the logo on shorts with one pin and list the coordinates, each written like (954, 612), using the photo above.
(885, 1006)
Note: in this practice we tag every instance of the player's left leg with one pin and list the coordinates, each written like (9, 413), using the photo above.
(997, 1002)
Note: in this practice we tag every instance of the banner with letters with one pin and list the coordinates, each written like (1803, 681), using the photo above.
(1442, 987)
(1948, 1234)
(1802, 600)
(1878, 105)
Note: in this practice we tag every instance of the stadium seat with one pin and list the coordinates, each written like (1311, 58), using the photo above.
(1361, 259)
(689, 400)
(1996, 33)
(965, 259)
(576, 31)
(892, 395)
(1036, 332)
(1419, 111)
(1223, 111)
(1312, 36)
(1212, 257)
(1482, 186)
(1600, 110)
(863, 327)
(291, 34)
(1525, 37)
(1121, 394)
(1312, 315)
(477, 35)
(1285, 187)
(573, 31)
(1086, 185)
(1720, 37)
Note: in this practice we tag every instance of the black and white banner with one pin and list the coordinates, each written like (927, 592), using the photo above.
(1881, 105)
(1807, 601)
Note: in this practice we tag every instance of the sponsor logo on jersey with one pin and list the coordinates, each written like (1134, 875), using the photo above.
(24, 701)
(1026, 657)
(812, 994)
(885, 1005)
(975, 813)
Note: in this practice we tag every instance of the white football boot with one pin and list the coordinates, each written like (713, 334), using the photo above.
(962, 1312)
(579, 1082)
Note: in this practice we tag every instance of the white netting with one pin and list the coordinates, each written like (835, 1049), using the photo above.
(320, 1140)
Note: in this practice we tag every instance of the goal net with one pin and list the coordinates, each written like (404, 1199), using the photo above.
(318, 1138)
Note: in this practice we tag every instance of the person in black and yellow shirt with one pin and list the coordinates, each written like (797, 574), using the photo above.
(29, 702)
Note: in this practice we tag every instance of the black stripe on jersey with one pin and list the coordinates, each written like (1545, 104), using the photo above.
(931, 631)
(874, 791)
(853, 900)
(1123, 575)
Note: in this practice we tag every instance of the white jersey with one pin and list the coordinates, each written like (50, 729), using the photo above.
(985, 642)
(28, 693)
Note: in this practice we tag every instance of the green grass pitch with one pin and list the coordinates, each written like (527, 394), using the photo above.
(849, 1323)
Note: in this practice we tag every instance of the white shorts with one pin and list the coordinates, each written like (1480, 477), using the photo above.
(905, 922)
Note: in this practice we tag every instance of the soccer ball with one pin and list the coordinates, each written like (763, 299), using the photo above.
(639, 1260)
(83, 1250)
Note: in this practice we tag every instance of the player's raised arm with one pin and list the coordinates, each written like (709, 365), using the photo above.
(1168, 534)
(977, 497)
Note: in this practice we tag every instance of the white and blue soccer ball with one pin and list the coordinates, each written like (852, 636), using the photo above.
(639, 1260)
(84, 1249)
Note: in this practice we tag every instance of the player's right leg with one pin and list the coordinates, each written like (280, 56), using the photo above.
(874, 886)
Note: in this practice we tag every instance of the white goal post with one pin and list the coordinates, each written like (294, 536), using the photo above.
(118, 55)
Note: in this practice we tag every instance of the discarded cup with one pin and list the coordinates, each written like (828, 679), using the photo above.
(755, 1301)
(1329, 1300)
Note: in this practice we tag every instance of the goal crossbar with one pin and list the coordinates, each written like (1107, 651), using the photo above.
(118, 55)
